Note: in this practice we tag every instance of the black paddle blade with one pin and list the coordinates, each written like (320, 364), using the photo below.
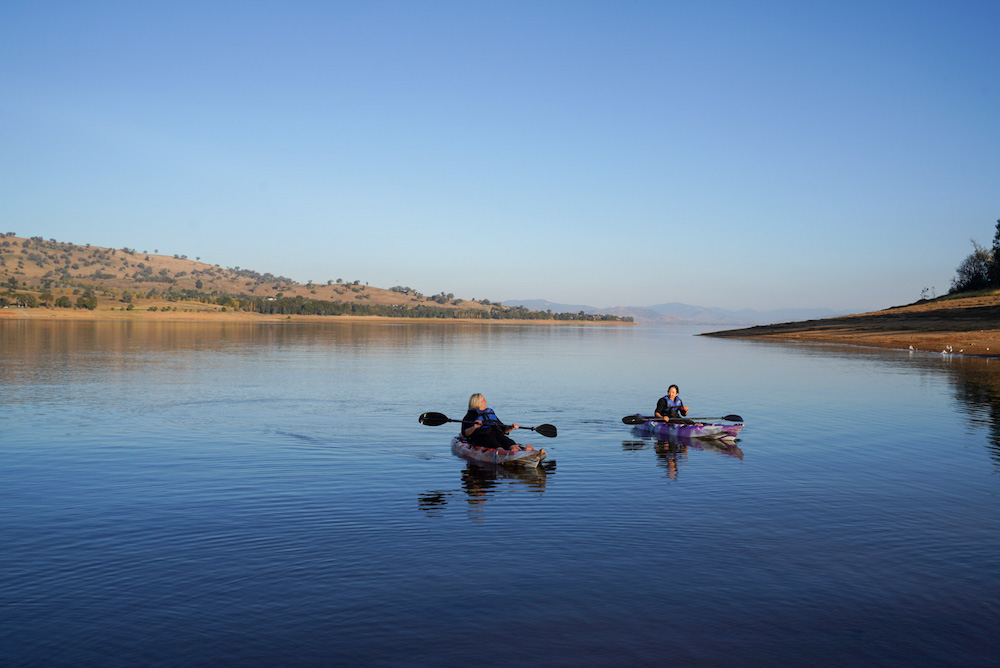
(732, 418)
(433, 419)
(634, 419)
(545, 430)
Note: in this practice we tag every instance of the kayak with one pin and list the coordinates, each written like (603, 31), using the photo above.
(678, 427)
(526, 458)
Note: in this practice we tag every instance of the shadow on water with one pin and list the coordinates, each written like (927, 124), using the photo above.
(480, 482)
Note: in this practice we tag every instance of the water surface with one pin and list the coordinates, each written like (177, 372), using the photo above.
(212, 494)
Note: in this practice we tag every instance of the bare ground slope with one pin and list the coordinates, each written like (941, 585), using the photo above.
(968, 325)
(31, 263)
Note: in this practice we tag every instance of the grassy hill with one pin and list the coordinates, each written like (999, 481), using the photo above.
(40, 273)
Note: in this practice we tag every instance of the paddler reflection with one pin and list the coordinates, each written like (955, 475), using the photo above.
(479, 483)
(673, 452)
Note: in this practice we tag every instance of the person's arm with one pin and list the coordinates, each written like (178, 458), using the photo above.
(471, 429)
(504, 428)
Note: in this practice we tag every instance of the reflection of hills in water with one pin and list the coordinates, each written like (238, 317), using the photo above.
(480, 481)
(671, 452)
(147, 344)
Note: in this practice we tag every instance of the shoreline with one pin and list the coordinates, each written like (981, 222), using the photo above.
(968, 326)
(246, 317)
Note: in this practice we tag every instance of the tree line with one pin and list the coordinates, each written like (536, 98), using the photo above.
(302, 306)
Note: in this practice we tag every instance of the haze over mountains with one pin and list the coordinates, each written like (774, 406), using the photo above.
(675, 313)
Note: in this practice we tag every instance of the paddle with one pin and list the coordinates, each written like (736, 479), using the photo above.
(639, 419)
(434, 419)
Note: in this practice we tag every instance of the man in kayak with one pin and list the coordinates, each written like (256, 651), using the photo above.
(482, 428)
(671, 405)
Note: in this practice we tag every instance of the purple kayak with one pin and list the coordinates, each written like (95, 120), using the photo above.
(648, 425)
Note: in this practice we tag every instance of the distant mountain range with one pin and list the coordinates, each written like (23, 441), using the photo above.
(675, 313)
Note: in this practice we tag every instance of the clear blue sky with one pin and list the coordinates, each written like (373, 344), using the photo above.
(730, 154)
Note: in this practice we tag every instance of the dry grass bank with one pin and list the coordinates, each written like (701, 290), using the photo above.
(968, 325)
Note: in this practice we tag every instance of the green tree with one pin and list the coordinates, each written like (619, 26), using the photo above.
(86, 302)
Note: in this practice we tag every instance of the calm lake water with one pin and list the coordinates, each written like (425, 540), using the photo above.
(210, 494)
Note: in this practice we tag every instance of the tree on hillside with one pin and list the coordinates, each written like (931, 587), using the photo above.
(975, 271)
(981, 269)
(995, 264)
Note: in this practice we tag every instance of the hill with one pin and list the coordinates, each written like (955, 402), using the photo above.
(960, 324)
(40, 273)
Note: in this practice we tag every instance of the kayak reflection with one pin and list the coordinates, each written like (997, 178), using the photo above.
(480, 481)
(672, 451)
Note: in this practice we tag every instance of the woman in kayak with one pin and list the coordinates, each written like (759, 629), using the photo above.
(482, 428)
(671, 405)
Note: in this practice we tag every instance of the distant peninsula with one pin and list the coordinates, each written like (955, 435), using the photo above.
(45, 278)
(959, 324)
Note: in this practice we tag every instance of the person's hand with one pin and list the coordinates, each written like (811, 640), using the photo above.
(514, 426)
(478, 424)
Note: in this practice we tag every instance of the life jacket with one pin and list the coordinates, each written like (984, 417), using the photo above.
(673, 405)
(489, 418)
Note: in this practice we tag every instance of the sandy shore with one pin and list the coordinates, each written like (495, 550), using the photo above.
(967, 326)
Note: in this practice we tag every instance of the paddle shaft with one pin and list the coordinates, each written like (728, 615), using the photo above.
(435, 419)
(639, 419)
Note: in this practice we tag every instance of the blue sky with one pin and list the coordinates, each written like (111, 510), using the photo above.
(724, 154)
